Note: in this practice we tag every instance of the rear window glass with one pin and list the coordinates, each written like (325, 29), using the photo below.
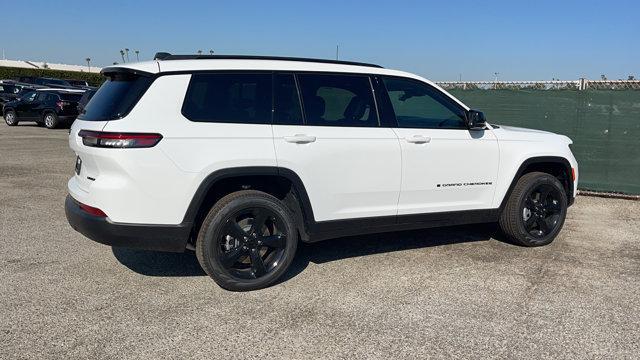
(116, 97)
(231, 98)
(71, 97)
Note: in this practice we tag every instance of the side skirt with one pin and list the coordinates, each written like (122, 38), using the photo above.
(324, 230)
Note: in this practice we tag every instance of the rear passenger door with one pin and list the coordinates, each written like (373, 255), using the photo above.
(326, 129)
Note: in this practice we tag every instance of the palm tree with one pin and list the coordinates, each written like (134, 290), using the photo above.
(137, 57)
(127, 51)
(199, 52)
(88, 60)
(122, 54)
(210, 52)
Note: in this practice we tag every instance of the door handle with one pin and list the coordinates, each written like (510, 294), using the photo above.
(418, 139)
(300, 139)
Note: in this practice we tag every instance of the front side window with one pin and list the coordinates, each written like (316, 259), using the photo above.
(418, 105)
(338, 100)
(229, 98)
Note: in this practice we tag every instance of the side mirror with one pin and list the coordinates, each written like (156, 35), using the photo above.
(476, 120)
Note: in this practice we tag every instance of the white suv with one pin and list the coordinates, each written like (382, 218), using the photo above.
(239, 157)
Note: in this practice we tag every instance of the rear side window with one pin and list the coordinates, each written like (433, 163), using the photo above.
(286, 109)
(116, 97)
(338, 100)
(243, 98)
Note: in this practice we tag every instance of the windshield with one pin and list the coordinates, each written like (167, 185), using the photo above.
(116, 97)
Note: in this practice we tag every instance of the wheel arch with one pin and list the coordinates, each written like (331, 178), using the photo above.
(283, 183)
(557, 166)
(47, 111)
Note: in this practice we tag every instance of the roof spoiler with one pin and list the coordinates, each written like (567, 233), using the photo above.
(109, 71)
(167, 56)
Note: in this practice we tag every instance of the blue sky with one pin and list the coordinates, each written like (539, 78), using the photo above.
(442, 40)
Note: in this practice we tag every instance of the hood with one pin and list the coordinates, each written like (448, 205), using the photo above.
(524, 134)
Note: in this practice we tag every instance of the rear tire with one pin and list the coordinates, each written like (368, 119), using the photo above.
(51, 120)
(535, 211)
(240, 254)
(10, 118)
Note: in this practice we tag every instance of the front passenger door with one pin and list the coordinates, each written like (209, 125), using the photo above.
(445, 166)
(24, 109)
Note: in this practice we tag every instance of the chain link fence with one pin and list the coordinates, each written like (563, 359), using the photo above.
(602, 117)
(581, 84)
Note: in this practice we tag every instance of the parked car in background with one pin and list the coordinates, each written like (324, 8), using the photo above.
(78, 83)
(49, 107)
(45, 81)
(8, 92)
(11, 90)
(84, 100)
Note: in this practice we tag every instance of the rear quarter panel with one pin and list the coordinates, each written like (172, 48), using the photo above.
(167, 176)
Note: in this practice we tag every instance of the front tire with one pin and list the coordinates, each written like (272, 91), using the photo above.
(247, 241)
(51, 120)
(11, 118)
(535, 211)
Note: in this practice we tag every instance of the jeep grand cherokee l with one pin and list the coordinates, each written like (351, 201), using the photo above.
(240, 158)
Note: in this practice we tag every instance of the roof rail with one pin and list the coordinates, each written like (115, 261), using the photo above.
(167, 56)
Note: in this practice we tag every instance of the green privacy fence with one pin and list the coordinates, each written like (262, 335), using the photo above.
(603, 124)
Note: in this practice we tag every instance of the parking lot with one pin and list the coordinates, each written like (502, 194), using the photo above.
(454, 292)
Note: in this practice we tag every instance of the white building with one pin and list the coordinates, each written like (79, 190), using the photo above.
(45, 65)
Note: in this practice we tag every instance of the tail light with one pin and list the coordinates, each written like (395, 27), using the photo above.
(118, 140)
(61, 104)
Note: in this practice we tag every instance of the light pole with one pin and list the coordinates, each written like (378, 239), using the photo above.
(88, 60)
(137, 55)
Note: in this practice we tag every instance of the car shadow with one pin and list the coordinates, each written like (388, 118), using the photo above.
(151, 263)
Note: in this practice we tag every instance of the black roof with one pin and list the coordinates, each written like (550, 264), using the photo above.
(167, 56)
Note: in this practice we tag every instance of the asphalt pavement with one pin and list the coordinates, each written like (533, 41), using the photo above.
(441, 293)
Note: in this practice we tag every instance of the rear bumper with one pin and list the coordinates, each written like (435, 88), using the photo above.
(170, 238)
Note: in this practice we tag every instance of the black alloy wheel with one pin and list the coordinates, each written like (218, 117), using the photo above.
(541, 211)
(251, 243)
(535, 211)
(247, 240)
